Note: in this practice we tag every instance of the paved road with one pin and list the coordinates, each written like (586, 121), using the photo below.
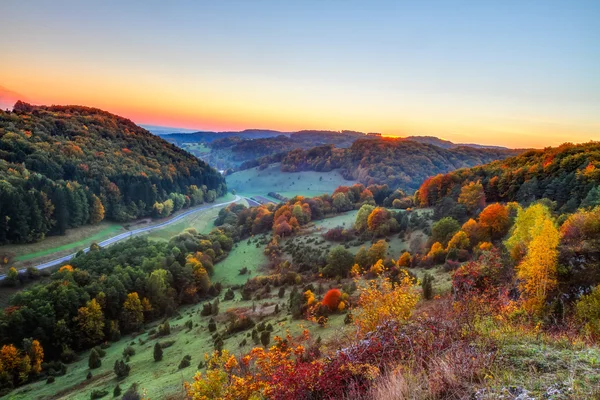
(129, 234)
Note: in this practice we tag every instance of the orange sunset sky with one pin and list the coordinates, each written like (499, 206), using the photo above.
(512, 73)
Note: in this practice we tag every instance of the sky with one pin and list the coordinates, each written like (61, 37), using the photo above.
(522, 73)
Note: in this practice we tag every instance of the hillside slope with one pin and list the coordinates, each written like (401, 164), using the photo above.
(568, 174)
(67, 166)
(399, 163)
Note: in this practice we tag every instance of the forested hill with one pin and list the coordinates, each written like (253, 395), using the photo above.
(67, 166)
(399, 163)
(568, 175)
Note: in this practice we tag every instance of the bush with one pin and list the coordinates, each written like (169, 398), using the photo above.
(117, 391)
(98, 394)
(164, 329)
(128, 351)
(166, 344)
(68, 355)
(121, 369)
(427, 285)
(240, 324)
(587, 311)
(132, 393)
(332, 299)
(189, 324)
(185, 362)
(212, 325)
(89, 375)
(265, 338)
(206, 309)
(50, 380)
(94, 360)
(158, 352)
(229, 295)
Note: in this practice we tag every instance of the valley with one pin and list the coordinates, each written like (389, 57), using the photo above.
(300, 200)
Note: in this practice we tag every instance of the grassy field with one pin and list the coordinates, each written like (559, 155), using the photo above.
(164, 380)
(202, 221)
(196, 147)
(307, 183)
(24, 255)
(242, 255)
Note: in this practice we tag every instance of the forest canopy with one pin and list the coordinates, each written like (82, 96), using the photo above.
(66, 166)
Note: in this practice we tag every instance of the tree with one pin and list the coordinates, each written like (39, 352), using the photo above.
(121, 369)
(474, 232)
(443, 230)
(378, 217)
(537, 272)
(527, 225)
(427, 285)
(459, 241)
(36, 354)
(332, 299)
(381, 301)
(133, 312)
(158, 352)
(96, 211)
(495, 221)
(377, 251)
(361, 222)
(12, 277)
(472, 196)
(405, 260)
(94, 360)
(339, 262)
(437, 253)
(90, 322)
(341, 202)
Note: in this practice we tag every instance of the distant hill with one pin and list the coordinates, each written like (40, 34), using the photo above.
(229, 150)
(568, 175)
(68, 166)
(397, 162)
(165, 130)
(446, 144)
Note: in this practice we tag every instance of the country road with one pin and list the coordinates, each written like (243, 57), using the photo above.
(126, 235)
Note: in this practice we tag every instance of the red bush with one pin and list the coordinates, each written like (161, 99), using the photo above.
(332, 299)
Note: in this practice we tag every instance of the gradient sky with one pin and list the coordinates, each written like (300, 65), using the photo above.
(517, 73)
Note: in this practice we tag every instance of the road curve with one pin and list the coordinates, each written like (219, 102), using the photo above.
(129, 234)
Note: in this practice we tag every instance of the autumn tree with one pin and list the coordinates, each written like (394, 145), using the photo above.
(405, 260)
(377, 251)
(90, 321)
(96, 211)
(133, 312)
(380, 301)
(494, 219)
(527, 225)
(459, 241)
(472, 196)
(376, 218)
(537, 271)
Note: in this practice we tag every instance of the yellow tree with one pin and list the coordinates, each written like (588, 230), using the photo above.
(133, 311)
(460, 241)
(90, 321)
(381, 301)
(96, 211)
(537, 271)
(527, 226)
(472, 196)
